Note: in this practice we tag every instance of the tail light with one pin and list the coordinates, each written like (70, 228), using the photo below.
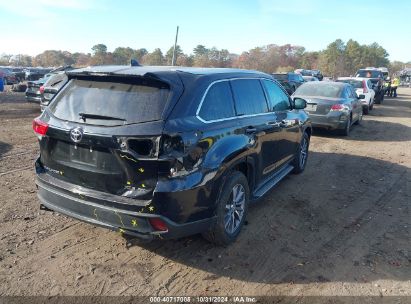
(40, 127)
(41, 89)
(339, 107)
(158, 224)
(364, 87)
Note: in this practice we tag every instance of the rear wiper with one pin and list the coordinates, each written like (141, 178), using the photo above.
(84, 116)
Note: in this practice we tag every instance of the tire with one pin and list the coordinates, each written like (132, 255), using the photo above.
(300, 159)
(381, 98)
(230, 220)
(371, 106)
(359, 120)
(366, 110)
(346, 130)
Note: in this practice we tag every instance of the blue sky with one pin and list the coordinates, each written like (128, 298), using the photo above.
(32, 26)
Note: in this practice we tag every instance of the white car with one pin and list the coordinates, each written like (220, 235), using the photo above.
(310, 78)
(362, 86)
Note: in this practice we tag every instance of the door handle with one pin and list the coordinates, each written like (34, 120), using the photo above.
(250, 130)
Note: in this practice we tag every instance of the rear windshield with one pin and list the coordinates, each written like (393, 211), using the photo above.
(355, 83)
(368, 73)
(109, 103)
(315, 89)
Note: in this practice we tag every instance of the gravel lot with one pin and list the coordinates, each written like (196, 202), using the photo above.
(343, 227)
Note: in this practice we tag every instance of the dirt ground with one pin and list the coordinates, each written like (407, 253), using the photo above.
(340, 228)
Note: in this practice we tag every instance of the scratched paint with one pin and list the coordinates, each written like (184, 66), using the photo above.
(95, 213)
(121, 220)
(129, 158)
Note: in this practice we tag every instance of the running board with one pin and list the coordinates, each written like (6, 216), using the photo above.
(274, 180)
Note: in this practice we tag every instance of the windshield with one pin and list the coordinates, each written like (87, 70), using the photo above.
(355, 83)
(130, 102)
(369, 73)
(332, 90)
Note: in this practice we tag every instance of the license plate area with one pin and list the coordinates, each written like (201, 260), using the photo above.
(83, 155)
(311, 107)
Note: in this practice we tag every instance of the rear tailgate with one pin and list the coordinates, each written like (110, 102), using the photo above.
(105, 133)
(114, 162)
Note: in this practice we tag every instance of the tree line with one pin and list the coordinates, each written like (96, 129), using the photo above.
(337, 59)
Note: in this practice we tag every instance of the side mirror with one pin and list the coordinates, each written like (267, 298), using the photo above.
(299, 103)
(361, 96)
(50, 90)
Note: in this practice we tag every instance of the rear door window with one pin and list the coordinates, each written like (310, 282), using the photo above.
(277, 99)
(109, 103)
(218, 102)
(249, 97)
(346, 92)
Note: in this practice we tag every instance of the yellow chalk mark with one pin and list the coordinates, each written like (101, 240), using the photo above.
(128, 183)
(143, 186)
(151, 208)
(121, 230)
(61, 172)
(208, 140)
(95, 213)
(121, 220)
(134, 222)
(141, 170)
(129, 158)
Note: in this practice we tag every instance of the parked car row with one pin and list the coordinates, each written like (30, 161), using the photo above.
(43, 90)
(314, 73)
(290, 81)
(8, 76)
(15, 75)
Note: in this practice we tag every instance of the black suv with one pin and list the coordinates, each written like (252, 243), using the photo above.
(167, 152)
(290, 81)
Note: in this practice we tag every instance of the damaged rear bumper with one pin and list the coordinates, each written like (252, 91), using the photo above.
(103, 210)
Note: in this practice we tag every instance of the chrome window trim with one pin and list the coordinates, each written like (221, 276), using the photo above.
(233, 117)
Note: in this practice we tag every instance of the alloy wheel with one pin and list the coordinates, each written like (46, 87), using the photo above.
(234, 209)
(303, 152)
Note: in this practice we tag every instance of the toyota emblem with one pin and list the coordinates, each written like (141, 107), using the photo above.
(76, 134)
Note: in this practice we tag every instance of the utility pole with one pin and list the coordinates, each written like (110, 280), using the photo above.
(173, 61)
